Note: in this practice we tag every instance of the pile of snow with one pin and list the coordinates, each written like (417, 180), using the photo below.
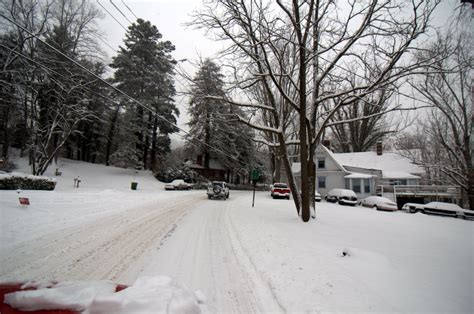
(69, 295)
(147, 295)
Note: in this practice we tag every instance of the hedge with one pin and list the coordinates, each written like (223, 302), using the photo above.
(15, 180)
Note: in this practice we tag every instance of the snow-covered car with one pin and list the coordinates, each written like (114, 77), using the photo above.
(444, 209)
(178, 184)
(217, 189)
(317, 196)
(280, 190)
(379, 203)
(412, 207)
(341, 196)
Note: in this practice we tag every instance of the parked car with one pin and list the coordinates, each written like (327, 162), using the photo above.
(317, 196)
(280, 190)
(379, 203)
(217, 189)
(441, 208)
(412, 207)
(342, 196)
(178, 184)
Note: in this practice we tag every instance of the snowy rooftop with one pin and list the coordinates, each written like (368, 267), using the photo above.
(391, 164)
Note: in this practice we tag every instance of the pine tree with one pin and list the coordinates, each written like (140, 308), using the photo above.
(144, 69)
(213, 122)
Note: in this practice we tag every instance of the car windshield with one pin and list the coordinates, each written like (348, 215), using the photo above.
(280, 186)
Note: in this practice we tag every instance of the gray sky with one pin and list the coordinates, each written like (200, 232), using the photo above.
(169, 16)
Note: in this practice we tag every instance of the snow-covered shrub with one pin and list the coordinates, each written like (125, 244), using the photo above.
(182, 171)
(126, 157)
(16, 180)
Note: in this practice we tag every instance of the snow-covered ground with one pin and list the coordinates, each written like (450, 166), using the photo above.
(242, 259)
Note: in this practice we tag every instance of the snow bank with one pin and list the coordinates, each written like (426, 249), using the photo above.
(148, 295)
(68, 295)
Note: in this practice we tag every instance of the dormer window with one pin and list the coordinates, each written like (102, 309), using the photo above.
(321, 163)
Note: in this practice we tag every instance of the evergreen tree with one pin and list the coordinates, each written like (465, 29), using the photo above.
(213, 122)
(144, 70)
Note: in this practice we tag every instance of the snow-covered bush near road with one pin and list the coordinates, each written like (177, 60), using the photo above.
(182, 171)
(18, 180)
(126, 157)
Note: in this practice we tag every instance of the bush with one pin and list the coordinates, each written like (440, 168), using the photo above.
(14, 181)
(182, 171)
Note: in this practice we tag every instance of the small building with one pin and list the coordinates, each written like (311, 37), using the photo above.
(215, 171)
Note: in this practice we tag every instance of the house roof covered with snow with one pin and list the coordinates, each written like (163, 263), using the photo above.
(392, 164)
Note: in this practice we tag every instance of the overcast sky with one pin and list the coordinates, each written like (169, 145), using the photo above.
(170, 17)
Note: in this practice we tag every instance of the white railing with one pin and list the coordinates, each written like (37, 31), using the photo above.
(427, 190)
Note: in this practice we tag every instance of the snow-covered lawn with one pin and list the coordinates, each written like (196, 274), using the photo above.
(240, 258)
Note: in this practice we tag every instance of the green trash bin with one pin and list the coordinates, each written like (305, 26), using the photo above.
(134, 185)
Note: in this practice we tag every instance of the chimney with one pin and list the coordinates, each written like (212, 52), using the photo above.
(327, 143)
(379, 148)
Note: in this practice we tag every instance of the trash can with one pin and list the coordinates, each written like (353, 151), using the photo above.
(134, 185)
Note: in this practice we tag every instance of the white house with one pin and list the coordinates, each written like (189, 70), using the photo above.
(364, 173)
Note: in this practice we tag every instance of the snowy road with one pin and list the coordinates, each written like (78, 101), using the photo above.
(203, 250)
(212, 258)
(100, 249)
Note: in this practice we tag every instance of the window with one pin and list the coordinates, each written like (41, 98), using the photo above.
(356, 185)
(321, 163)
(348, 184)
(398, 182)
(321, 182)
(367, 186)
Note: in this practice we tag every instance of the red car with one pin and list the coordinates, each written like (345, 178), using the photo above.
(280, 190)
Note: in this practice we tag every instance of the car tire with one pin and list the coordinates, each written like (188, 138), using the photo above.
(209, 197)
(375, 207)
(412, 210)
(287, 197)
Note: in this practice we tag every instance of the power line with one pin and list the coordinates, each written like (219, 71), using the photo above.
(48, 69)
(129, 9)
(117, 8)
(151, 110)
(112, 16)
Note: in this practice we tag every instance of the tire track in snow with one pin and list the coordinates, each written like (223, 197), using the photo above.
(102, 249)
(261, 287)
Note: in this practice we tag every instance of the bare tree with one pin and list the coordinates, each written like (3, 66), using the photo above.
(359, 135)
(444, 140)
(49, 86)
(312, 46)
